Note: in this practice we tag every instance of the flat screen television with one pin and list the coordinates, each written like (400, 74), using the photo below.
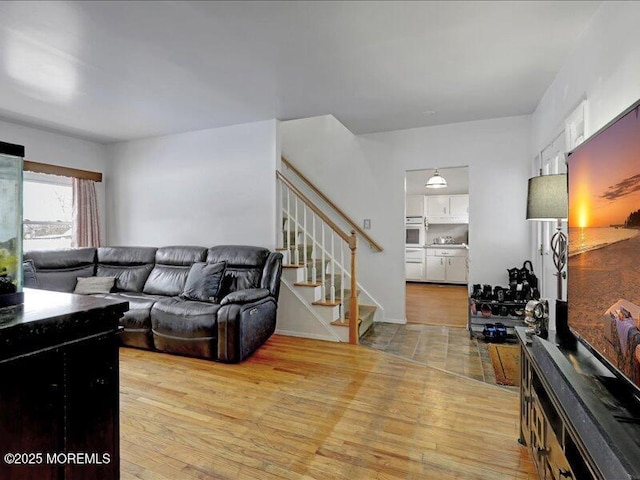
(603, 286)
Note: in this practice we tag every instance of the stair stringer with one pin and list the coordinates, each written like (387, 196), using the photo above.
(299, 318)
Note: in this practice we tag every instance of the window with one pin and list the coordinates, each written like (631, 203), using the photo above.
(47, 211)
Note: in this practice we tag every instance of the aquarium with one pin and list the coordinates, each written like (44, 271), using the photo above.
(10, 224)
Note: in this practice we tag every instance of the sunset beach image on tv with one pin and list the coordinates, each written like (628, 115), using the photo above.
(604, 243)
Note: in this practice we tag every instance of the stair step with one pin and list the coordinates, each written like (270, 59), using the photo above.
(300, 246)
(364, 325)
(364, 310)
(307, 284)
(340, 323)
(293, 265)
(365, 318)
(326, 303)
(347, 295)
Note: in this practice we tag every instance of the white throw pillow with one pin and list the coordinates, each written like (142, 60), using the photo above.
(88, 285)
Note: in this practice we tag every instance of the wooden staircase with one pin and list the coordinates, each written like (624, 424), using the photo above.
(334, 313)
(319, 268)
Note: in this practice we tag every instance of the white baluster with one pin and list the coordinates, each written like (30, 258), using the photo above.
(314, 269)
(342, 269)
(324, 272)
(332, 291)
(289, 260)
(280, 206)
(296, 255)
(304, 241)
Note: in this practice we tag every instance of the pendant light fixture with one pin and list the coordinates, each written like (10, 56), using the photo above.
(436, 181)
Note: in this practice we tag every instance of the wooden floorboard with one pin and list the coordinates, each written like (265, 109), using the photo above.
(436, 304)
(307, 409)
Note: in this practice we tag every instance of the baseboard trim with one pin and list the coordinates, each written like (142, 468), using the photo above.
(312, 336)
(400, 321)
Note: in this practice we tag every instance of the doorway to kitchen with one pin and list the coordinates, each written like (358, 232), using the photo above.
(437, 259)
(436, 274)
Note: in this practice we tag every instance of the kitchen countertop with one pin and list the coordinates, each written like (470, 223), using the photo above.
(451, 245)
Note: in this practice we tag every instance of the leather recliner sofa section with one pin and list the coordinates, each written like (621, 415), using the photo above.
(228, 328)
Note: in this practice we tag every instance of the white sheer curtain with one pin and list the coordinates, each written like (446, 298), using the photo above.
(86, 223)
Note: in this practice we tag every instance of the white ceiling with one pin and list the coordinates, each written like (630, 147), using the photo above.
(113, 71)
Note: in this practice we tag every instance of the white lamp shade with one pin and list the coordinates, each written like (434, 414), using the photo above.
(436, 181)
(547, 197)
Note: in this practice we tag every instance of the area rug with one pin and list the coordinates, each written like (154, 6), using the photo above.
(506, 363)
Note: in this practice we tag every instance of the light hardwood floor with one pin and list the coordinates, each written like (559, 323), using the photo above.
(434, 304)
(303, 409)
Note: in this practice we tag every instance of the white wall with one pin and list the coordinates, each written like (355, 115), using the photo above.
(209, 187)
(46, 147)
(604, 69)
(365, 175)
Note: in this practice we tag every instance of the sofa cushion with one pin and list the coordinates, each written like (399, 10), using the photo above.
(130, 265)
(126, 255)
(238, 255)
(128, 278)
(171, 268)
(166, 280)
(137, 320)
(204, 281)
(140, 304)
(62, 259)
(185, 327)
(244, 268)
(245, 296)
(180, 255)
(90, 285)
(58, 270)
(179, 317)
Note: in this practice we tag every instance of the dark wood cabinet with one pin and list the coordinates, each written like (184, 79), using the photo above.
(59, 405)
(31, 406)
(577, 419)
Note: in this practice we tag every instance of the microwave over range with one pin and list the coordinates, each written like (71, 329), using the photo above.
(414, 231)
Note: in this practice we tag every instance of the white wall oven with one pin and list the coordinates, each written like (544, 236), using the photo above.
(414, 232)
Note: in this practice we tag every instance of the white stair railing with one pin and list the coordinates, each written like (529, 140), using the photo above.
(353, 225)
(332, 261)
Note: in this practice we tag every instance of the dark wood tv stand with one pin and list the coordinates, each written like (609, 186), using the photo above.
(579, 421)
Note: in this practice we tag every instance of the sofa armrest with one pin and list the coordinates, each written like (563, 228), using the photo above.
(245, 296)
(242, 328)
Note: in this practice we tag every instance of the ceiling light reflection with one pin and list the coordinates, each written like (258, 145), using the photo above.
(40, 53)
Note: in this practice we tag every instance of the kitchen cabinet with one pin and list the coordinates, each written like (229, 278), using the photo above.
(414, 271)
(459, 205)
(447, 208)
(446, 265)
(456, 269)
(436, 269)
(415, 206)
(414, 264)
(437, 206)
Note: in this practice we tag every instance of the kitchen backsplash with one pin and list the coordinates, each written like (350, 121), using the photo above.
(459, 232)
